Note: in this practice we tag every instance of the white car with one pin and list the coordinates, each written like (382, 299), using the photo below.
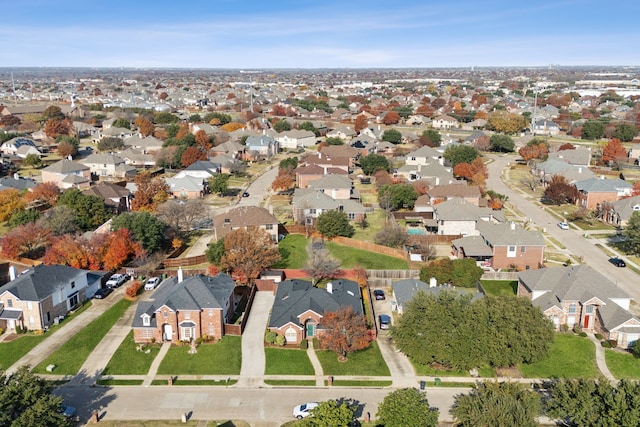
(116, 280)
(304, 410)
(563, 225)
(152, 283)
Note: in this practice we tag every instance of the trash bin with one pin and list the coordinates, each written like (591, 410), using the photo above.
(422, 385)
(437, 382)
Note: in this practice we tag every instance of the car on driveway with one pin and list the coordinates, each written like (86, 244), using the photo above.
(563, 225)
(116, 280)
(102, 293)
(378, 294)
(304, 410)
(151, 283)
(384, 321)
(617, 262)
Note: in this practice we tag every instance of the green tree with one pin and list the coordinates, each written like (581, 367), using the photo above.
(219, 184)
(330, 414)
(625, 132)
(215, 251)
(90, 210)
(593, 129)
(62, 220)
(407, 408)
(110, 144)
(397, 196)
(372, 163)
(501, 143)
(27, 400)
(145, 228)
(53, 112)
(334, 141)
(309, 127)
(404, 111)
(289, 163)
(23, 216)
(165, 118)
(392, 135)
(433, 137)
(122, 123)
(632, 233)
(195, 118)
(460, 154)
(221, 118)
(32, 160)
(498, 404)
(334, 223)
(282, 126)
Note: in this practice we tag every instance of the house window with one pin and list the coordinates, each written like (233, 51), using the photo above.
(32, 321)
(48, 316)
(572, 308)
(9, 303)
(571, 320)
(352, 216)
(269, 226)
(187, 315)
(211, 330)
(187, 334)
(523, 249)
(511, 252)
(147, 333)
(165, 314)
(146, 321)
(291, 335)
(29, 305)
(73, 285)
(588, 309)
(312, 211)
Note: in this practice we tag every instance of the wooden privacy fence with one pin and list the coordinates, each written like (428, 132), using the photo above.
(396, 253)
(384, 278)
(170, 263)
(500, 275)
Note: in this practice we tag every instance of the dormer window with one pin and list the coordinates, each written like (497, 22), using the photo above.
(146, 320)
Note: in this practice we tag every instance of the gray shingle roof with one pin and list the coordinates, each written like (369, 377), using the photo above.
(65, 166)
(505, 234)
(405, 290)
(294, 297)
(595, 185)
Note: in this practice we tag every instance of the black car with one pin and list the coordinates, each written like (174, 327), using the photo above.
(378, 294)
(245, 194)
(384, 321)
(102, 293)
(617, 262)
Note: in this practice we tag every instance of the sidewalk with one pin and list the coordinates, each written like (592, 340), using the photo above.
(315, 362)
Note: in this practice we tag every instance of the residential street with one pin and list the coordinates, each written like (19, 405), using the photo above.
(573, 240)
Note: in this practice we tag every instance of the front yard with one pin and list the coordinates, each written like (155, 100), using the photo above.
(622, 365)
(222, 358)
(570, 356)
(282, 361)
(127, 360)
(368, 362)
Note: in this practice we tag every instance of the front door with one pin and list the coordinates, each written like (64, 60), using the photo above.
(585, 324)
(311, 328)
(167, 332)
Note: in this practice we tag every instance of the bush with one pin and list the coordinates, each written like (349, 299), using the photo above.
(564, 327)
(583, 334)
(606, 344)
(1, 331)
(576, 328)
(304, 344)
(598, 336)
(270, 337)
(280, 340)
(134, 289)
(613, 343)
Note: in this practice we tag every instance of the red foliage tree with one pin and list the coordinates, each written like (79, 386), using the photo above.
(567, 146)
(614, 151)
(635, 191)
(192, 155)
(25, 240)
(559, 190)
(283, 181)
(69, 250)
(55, 127)
(463, 170)
(120, 247)
(382, 178)
(203, 140)
(344, 332)
(46, 192)
(361, 122)
(133, 289)
(391, 118)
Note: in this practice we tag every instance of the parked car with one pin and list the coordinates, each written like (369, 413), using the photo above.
(617, 262)
(304, 410)
(563, 225)
(245, 194)
(378, 294)
(116, 280)
(68, 411)
(102, 293)
(384, 321)
(152, 283)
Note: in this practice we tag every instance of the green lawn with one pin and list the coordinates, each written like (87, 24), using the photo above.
(292, 383)
(351, 257)
(12, 351)
(376, 221)
(293, 249)
(570, 356)
(128, 361)
(222, 358)
(425, 370)
(365, 362)
(120, 382)
(500, 287)
(356, 383)
(282, 361)
(623, 365)
(73, 353)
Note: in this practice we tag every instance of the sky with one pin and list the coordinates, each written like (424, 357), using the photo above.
(312, 34)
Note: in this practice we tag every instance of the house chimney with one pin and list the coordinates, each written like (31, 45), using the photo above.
(580, 170)
(433, 282)
(513, 225)
(13, 273)
(180, 277)
(330, 287)
(437, 180)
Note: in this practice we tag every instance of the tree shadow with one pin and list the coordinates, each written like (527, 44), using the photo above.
(354, 403)
(87, 397)
(284, 258)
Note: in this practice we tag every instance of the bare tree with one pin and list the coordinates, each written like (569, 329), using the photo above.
(531, 182)
(181, 215)
(320, 265)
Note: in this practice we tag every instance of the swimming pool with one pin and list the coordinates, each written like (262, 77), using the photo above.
(418, 231)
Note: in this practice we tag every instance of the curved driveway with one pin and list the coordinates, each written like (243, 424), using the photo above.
(572, 239)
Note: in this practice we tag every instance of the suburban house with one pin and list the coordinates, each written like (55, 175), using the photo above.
(336, 186)
(594, 191)
(112, 132)
(18, 145)
(620, 212)
(345, 151)
(116, 197)
(444, 122)
(502, 245)
(344, 133)
(17, 183)
(67, 174)
(187, 187)
(231, 148)
(579, 156)
(108, 165)
(434, 173)
(405, 290)
(424, 155)
(296, 138)
(148, 144)
(315, 166)
(308, 204)
(457, 217)
(137, 157)
(441, 193)
(580, 295)
(40, 296)
(299, 307)
(573, 173)
(545, 127)
(200, 169)
(262, 145)
(244, 217)
(185, 310)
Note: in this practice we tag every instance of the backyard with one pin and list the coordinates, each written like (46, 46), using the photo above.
(221, 358)
(500, 287)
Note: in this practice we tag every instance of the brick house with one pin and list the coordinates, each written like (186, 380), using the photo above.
(41, 295)
(299, 307)
(67, 174)
(594, 191)
(243, 217)
(581, 295)
(185, 310)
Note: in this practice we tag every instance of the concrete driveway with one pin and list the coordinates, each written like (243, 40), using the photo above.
(252, 369)
(572, 239)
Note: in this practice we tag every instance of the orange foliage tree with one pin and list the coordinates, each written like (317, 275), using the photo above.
(230, 127)
(345, 331)
(11, 200)
(284, 180)
(361, 122)
(463, 170)
(120, 247)
(74, 251)
(203, 140)
(192, 155)
(145, 127)
(46, 192)
(151, 192)
(133, 289)
(480, 172)
(25, 240)
(391, 118)
(614, 151)
(55, 127)
(248, 251)
(635, 191)
(537, 151)
(65, 149)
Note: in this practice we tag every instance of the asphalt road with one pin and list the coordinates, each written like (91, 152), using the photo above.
(572, 239)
